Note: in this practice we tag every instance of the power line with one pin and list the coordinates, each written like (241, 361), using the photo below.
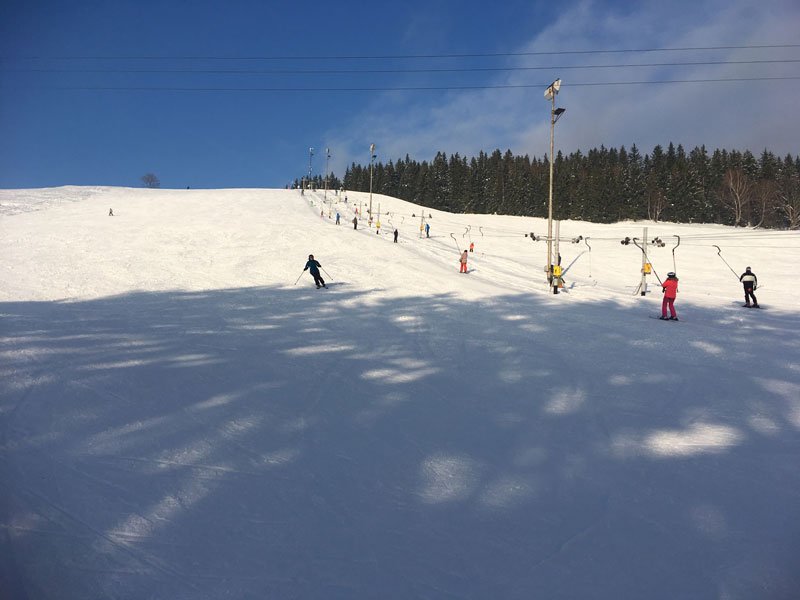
(406, 56)
(401, 71)
(397, 88)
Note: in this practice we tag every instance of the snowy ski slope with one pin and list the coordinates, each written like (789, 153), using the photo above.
(179, 419)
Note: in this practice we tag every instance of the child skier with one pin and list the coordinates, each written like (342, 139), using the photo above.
(670, 290)
(463, 261)
(750, 282)
(313, 267)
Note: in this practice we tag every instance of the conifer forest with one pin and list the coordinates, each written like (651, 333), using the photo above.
(605, 185)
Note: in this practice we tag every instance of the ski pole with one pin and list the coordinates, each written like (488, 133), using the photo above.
(719, 253)
(326, 273)
(298, 278)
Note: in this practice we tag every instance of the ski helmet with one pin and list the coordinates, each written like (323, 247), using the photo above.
(670, 274)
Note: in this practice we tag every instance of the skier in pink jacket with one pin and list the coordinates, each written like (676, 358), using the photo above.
(670, 289)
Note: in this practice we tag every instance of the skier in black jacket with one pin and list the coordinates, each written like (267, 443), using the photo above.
(750, 282)
(313, 267)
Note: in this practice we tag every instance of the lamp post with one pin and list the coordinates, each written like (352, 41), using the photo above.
(555, 113)
(371, 161)
(327, 158)
(310, 154)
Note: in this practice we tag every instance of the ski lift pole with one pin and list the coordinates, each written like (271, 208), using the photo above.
(586, 241)
(719, 253)
(647, 259)
(674, 266)
(456, 241)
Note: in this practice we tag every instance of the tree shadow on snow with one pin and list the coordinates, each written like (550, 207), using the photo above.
(289, 442)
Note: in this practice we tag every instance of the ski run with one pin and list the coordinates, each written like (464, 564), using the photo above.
(179, 419)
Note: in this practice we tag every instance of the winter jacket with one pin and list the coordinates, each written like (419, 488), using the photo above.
(749, 279)
(313, 266)
(463, 258)
(670, 287)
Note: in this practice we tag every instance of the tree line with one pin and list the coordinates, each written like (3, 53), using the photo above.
(603, 186)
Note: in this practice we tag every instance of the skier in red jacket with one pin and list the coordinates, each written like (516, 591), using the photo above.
(670, 289)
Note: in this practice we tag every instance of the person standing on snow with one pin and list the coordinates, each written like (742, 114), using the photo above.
(337, 218)
(463, 261)
(396, 233)
(312, 266)
(670, 290)
(750, 282)
(355, 222)
(427, 230)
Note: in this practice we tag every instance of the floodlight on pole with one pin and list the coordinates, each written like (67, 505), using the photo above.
(371, 161)
(310, 154)
(327, 159)
(555, 113)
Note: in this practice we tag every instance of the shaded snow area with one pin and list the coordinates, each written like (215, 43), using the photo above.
(180, 420)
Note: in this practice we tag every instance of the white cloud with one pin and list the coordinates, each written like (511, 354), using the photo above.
(730, 115)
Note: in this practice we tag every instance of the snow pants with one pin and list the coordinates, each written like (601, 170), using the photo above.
(463, 267)
(748, 294)
(668, 302)
(318, 279)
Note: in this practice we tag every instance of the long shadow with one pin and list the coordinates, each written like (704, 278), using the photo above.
(295, 443)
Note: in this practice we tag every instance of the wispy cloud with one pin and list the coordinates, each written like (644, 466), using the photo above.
(742, 115)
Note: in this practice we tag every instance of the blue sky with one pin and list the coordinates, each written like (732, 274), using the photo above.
(227, 137)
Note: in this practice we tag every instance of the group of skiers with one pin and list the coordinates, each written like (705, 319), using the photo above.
(669, 286)
(670, 291)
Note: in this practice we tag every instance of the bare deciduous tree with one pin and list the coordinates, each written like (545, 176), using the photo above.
(788, 196)
(150, 180)
(736, 193)
(765, 192)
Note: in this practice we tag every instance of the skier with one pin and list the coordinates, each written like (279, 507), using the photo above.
(463, 261)
(396, 233)
(750, 282)
(355, 222)
(110, 212)
(670, 290)
(337, 218)
(378, 226)
(472, 247)
(313, 267)
(427, 230)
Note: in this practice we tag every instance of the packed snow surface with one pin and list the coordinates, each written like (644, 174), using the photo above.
(182, 418)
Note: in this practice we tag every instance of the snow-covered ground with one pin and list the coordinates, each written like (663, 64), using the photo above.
(180, 420)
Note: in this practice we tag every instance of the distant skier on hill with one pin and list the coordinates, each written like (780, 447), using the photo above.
(427, 230)
(312, 266)
(670, 289)
(396, 233)
(355, 222)
(337, 218)
(750, 282)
